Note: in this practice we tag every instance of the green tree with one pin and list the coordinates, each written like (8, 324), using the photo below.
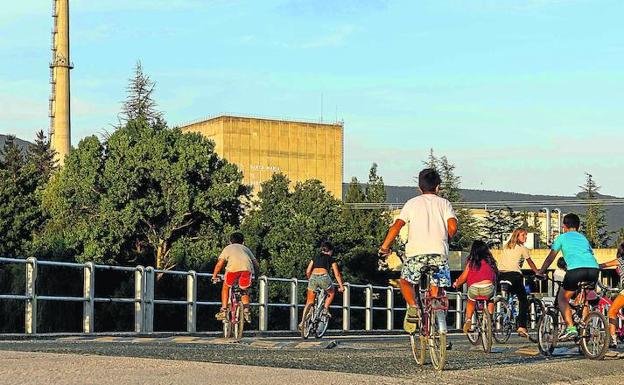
(499, 223)
(594, 221)
(140, 103)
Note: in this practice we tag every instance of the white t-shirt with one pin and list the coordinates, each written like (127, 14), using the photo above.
(427, 218)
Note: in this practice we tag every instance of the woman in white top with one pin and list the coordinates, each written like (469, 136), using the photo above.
(514, 253)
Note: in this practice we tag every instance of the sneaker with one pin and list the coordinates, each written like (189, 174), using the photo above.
(221, 315)
(325, 313)
(411, 319)
(570, 333)
(247, 315)
(613, 342)
(467, 326)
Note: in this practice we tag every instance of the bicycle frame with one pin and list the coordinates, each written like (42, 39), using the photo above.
(603, 306)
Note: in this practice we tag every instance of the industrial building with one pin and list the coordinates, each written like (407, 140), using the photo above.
(261, 147)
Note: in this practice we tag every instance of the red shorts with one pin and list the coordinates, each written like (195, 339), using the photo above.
(243, 278)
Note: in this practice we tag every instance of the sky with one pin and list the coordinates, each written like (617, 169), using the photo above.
(521, 95)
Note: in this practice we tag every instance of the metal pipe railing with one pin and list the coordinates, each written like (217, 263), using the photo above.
(144, 298)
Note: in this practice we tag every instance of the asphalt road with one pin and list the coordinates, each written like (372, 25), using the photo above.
(386, 356)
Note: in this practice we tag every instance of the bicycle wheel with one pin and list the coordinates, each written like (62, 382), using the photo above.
(486, 330)
(437, 340)
(240, 322)
(227, 325)
(502, 325)
(306, 321)
(548, 332)
(536, 310)
(418, 344)
(321, 326)
(474, 335)
(594, 336)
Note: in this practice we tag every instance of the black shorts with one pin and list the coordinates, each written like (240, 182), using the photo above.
(573, 277)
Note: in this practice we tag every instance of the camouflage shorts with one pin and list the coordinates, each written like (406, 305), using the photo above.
(412, 265)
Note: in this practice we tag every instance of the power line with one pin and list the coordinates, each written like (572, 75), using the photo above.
(534, 204)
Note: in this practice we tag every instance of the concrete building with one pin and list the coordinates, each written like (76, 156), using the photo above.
(261, 147)
(60, 125)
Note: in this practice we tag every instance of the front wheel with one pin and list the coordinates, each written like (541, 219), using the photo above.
(502, 324)
(239, 322)
(548, 332)
(321, 326)
(437, 341)
(594, 336)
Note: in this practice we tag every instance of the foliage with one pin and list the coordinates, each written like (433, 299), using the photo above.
(139, 103)
(594, 221)
(22, 176)
(500, 222)
(148, 194)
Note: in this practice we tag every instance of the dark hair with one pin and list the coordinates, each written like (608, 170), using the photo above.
(620, 251)
(479, 252)
(561, 263)
(326, 247)
(237, 237)
(571, 221)
(428, 180)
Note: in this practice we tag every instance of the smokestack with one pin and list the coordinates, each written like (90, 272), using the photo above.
(60, 126)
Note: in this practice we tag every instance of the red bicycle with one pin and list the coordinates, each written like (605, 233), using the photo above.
(604, 304)
(234, 321)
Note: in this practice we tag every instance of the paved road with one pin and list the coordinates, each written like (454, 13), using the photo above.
(355, 359)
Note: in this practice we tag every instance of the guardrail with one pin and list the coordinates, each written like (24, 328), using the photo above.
(144, 298)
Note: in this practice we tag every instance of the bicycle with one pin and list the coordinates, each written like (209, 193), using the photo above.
(431, 330)
(313, 320)
(506, 310)
(234, 321)
(481, 324)
(593, 338)
(605, 303)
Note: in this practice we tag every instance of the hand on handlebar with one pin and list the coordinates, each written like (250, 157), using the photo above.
(384, 252)
(216, 279)
(340, 289)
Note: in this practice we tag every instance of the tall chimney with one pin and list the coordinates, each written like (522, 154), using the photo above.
(60, 126)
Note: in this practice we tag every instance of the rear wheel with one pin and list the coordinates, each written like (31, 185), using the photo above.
(502, 325)
(306, 321)
(437, 341)
(321, 326)
(227, 325)
(594, 336)
(548, 332)
(536, 310)
(240, 322)
(419, 344)
(474, 335)
(486, 330)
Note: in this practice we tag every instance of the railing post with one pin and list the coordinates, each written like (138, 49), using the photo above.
(191, 299)
(458, 310)
(369, 307)
(88, 306)
(139, 303)
(294, 308)
(148, 301)
(264, 304)
(346, 307)
(390, 308)
(30, 319)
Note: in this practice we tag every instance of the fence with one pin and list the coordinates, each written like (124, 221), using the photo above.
(144, 298)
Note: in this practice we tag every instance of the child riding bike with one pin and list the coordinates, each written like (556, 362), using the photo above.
(431, 222)
(318, 277)
(581, 267)
(240, 264)
(480, 274)
(618, 302)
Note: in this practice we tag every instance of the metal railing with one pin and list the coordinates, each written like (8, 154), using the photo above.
(144, 298)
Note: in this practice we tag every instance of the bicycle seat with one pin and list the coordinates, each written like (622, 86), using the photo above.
(587, 285)
(429, 269)
(482, 298)
(505, 283)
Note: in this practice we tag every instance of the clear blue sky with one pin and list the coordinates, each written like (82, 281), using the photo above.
(521, 95)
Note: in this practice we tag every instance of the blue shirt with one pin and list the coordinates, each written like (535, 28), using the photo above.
(577, 251)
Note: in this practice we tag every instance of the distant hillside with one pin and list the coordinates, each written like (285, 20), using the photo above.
(401, 194)
(20, 143)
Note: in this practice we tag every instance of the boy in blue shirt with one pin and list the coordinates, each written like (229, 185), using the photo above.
(582, 266)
